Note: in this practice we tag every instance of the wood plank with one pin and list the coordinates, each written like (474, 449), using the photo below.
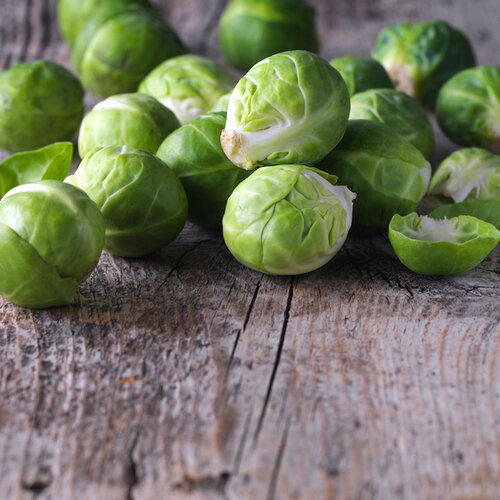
(185, 375)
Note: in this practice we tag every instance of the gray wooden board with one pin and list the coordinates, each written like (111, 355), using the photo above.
(186, 376)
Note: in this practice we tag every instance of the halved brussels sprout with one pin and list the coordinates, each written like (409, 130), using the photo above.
(400, 112)
(388, 174)
(362, 73)
(143, 202)
(73, 14)
(222, 103)
(194, 153)
(40, 103)
(119, 46)
(487, 209)
(189, 85)
(135, 120)
(421, 57)
(468, 108)
(251, 30)
(292, 107)
(287, 219)
(441, 247)
(467, 173)
(51, 162)
(51, 238)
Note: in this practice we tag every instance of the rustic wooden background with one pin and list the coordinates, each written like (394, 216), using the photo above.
(186, 376)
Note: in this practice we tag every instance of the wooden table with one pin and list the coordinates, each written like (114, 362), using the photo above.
(185, 375)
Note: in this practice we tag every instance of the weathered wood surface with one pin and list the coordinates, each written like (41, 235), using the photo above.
(185, 375)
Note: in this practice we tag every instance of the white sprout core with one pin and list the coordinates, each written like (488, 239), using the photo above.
(435, 230)
(186, 110)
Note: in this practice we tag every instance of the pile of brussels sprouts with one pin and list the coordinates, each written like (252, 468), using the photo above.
(285, 160)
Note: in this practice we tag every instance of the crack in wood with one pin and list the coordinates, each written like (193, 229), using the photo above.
(36, 487)
(277, 463)
(241, 444)
(131, 475)
(178, 261)
(286, 316)
(216, 483)
(241, 330)
(353, 261)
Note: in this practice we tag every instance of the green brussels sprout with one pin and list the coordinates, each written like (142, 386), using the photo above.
(73, 14)
(291, 108)
(441, 247)
(362, 73)
(135, 120)
(52, 236)
(388, 174)
(400, 112)
(194, 153)
(467, 173)
(40, 103)
(50, 162)
(486, 209)
(222, 103)
(287, 219)
(421, 57)
(189, 85)
(251, 30)
(143, 202)
(119, 46)
(468, 107)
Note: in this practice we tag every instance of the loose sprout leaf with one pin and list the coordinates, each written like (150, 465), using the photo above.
(49, 162)
(441, 247)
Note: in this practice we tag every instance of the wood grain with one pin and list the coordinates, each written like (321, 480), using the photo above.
(186, 376)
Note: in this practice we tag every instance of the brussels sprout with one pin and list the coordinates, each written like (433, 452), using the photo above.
(40, 103)
(73, 14)
(287, 219)
(467, 173)
(135, 120)
(119, 46)
(194, 153)
(362, 73)
(421, 57)
(251, 30)
(289, 108)
(189, 85)
(400, 112)
(442, 247)
(222, 103)
(468, 108)
(51, 162)
(51, 237)
(142, 200)
(388, 174)
(486, 209)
